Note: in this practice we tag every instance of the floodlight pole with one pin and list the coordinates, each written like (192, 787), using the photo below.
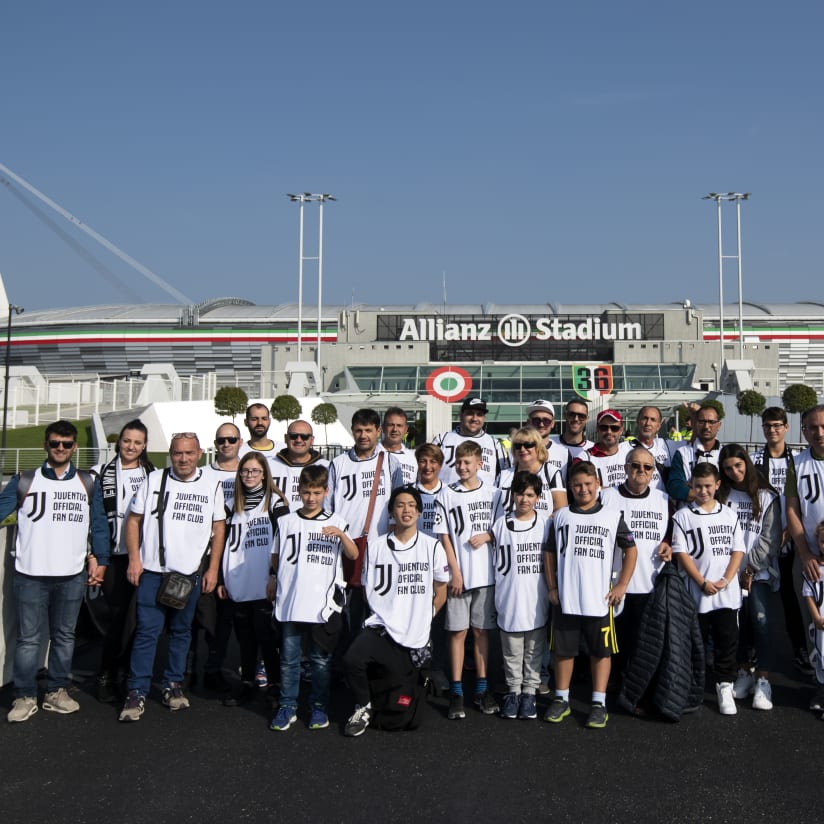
(16, 310)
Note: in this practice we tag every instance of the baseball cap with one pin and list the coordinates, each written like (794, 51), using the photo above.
(609, 413)
(540, 406)
(475, 404)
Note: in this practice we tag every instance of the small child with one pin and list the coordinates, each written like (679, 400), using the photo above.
(463, 520)
(813, 593)
(709, 545)
(307, 585)
(521, 595)
(579, 564)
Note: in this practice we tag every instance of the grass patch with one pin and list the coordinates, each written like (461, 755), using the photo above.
(32, 437)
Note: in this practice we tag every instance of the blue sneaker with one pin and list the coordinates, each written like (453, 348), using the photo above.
(284, 719)
(528, 708)
(319, 720)
(509, 708)
(261, 677)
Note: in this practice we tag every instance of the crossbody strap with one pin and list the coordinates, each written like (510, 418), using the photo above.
(373, 494)
(161, 509)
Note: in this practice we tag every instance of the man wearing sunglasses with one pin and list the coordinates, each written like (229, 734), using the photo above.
(609, 455)
(224, 467)
(58, 511)
(576, 415)
(703, 448)
(299, 452)
(541, 417)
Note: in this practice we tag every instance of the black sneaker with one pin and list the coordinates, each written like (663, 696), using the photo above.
(558, 710)
(245, 693)
(817, 701)
(486, 703)
(801, 661)
(456, 707)
(358, 722)
(106, 688)
(598, 717)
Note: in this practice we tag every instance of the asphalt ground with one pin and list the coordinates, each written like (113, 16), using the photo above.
(215, 763)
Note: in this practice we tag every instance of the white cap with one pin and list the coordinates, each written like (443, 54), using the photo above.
(541, 406)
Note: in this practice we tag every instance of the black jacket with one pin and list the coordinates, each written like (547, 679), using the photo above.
(669, 662)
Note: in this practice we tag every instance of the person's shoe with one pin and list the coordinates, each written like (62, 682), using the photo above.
(358, 722)
(544, 688)
(173, 697)
(801, 661)
(528, 708)
(726, 699)
(134, 706)
(318, 720)
(509, 707)
(744, 684)
(558, 710)
(817, 701)
(762, 695)
(105, 688)
(60, 701)
(22, 709)
(216, 682)
(598, 717)
(242, 695)
(456, 707)
(440, 681)
(261, 677)
(284, 719)
(486, 703)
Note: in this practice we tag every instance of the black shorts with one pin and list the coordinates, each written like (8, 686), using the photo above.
(575, 634)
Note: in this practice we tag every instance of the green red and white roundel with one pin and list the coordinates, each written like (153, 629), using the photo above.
(449, 383)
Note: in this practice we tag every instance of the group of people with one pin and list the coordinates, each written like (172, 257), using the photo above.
(388, 562)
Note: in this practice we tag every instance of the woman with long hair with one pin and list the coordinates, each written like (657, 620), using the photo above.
(758, 507)
(529, 454)
(247, 555)
(119, 480)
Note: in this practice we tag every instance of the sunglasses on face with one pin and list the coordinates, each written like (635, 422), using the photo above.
(576, 416)
(64, 444)
(541, 421)
(609, 427)
(298, 436)
(640, 467)
(524, 445)
(226, 439)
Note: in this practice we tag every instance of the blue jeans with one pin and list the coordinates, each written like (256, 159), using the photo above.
(151, 618)
(41, 599)
(757, 617)
(291, 639)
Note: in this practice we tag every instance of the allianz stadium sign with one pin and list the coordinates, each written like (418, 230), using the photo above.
(515, 330)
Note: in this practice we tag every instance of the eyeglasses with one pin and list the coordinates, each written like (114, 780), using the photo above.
(227, 439)
(523, 445)
(577, 416)
(640, 467)
(773, 425)
(251, 472)
(705, 422)
(542, 421)
(609, 427)
(298, 436)
(65, 444)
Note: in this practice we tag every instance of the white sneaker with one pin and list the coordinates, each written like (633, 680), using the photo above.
(762, 697)
(726, 702)
(744, 684)
(22, 709)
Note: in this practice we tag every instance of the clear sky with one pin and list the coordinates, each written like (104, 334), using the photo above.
(533, 151)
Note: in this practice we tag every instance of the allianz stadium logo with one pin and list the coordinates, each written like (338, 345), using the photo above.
(516, 330)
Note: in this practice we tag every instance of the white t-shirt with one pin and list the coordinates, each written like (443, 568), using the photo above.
(611, 468)
(551, 480)
(191, 508)
(521, 594)
(493, 455)
(647, 518)
(407, 461)
(226, 479)
(809, 486)
(310, 571)
(462, 513)
(574, 450)
(398, 582)
(128, 482)
(710, 538)
(426, 523)
(286, 477)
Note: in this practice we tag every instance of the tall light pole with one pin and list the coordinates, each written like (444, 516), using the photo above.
(308, 197)
(736, 197)
(17, 310)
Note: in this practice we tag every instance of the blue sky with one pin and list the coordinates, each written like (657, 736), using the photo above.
(533, 151)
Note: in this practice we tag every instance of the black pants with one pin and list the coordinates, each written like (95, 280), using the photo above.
(626, 630)
(373, 650)
(252, 621)
(120, 597)
(724, 626)
(789, 600)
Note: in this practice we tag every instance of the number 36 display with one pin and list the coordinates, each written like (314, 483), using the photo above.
(589, 381)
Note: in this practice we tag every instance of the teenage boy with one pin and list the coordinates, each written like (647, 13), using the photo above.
(404, 580)
(307, 584)
(521, 597)
(465, 513)
(578, 565)
(708, 543)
